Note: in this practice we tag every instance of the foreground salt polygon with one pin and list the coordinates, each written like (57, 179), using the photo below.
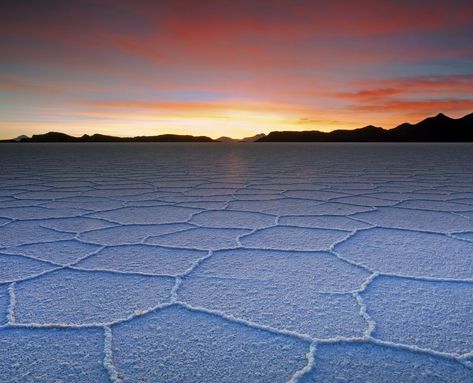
(259, 263)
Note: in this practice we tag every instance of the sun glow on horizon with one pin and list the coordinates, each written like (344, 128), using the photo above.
(243, 125)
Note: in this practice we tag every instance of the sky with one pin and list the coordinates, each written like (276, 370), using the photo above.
(230, 68)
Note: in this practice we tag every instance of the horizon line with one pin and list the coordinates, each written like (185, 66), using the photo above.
(229, 137)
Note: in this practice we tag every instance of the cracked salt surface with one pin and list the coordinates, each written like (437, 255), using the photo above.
(416, 220)
(233, 219)
(323, 222)
(129, 234)
(4, 302)
(76, 224)
(285, 305)
(245, 263)
(322, 271)
(438, 315)
(177, 344)
(369, 363)
(59, 252)
(77, 297)
(24, 232)
(408, 253)
(147, 215)
(15, 268)
(293, 238)
(144, 259)
(200, 238)
(51, 355)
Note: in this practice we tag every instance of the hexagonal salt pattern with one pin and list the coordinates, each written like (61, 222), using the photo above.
(60, 252)
(369, 363)
(236, 263)
(200, 238)
(426, 314)
(318, 271)
(143, 259)
(410, 253)
(129, 234)
(24, 232)
(13, 268)
(147, 215)
(285, 306)
(233, 219)
(186, 346)
(421, 220)
(76, 224)
(293, 238)
(52, 355)
(4, 302)
(77, 297)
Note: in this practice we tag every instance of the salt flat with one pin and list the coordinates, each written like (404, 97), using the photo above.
(236, 263)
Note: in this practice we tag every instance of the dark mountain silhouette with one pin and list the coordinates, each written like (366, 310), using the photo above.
(62, 137)
(226, 139)
(436, 129)
(230, 140)
(440, 128)
(20, 138)
(254, 138)
(433, 129)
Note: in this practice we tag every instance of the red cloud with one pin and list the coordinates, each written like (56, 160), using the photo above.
(364, 95)
(411, 93)
(452, 83)
(419, 106)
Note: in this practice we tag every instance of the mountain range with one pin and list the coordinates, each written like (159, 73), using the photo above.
(439, 128)
(62, 137)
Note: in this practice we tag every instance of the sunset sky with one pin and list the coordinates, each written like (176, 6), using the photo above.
(233, 68)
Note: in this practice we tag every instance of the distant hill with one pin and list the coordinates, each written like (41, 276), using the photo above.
(253, 138)
(246, 139)
(21, 138)
(227, 140)
(62, 137)
(433, 129)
